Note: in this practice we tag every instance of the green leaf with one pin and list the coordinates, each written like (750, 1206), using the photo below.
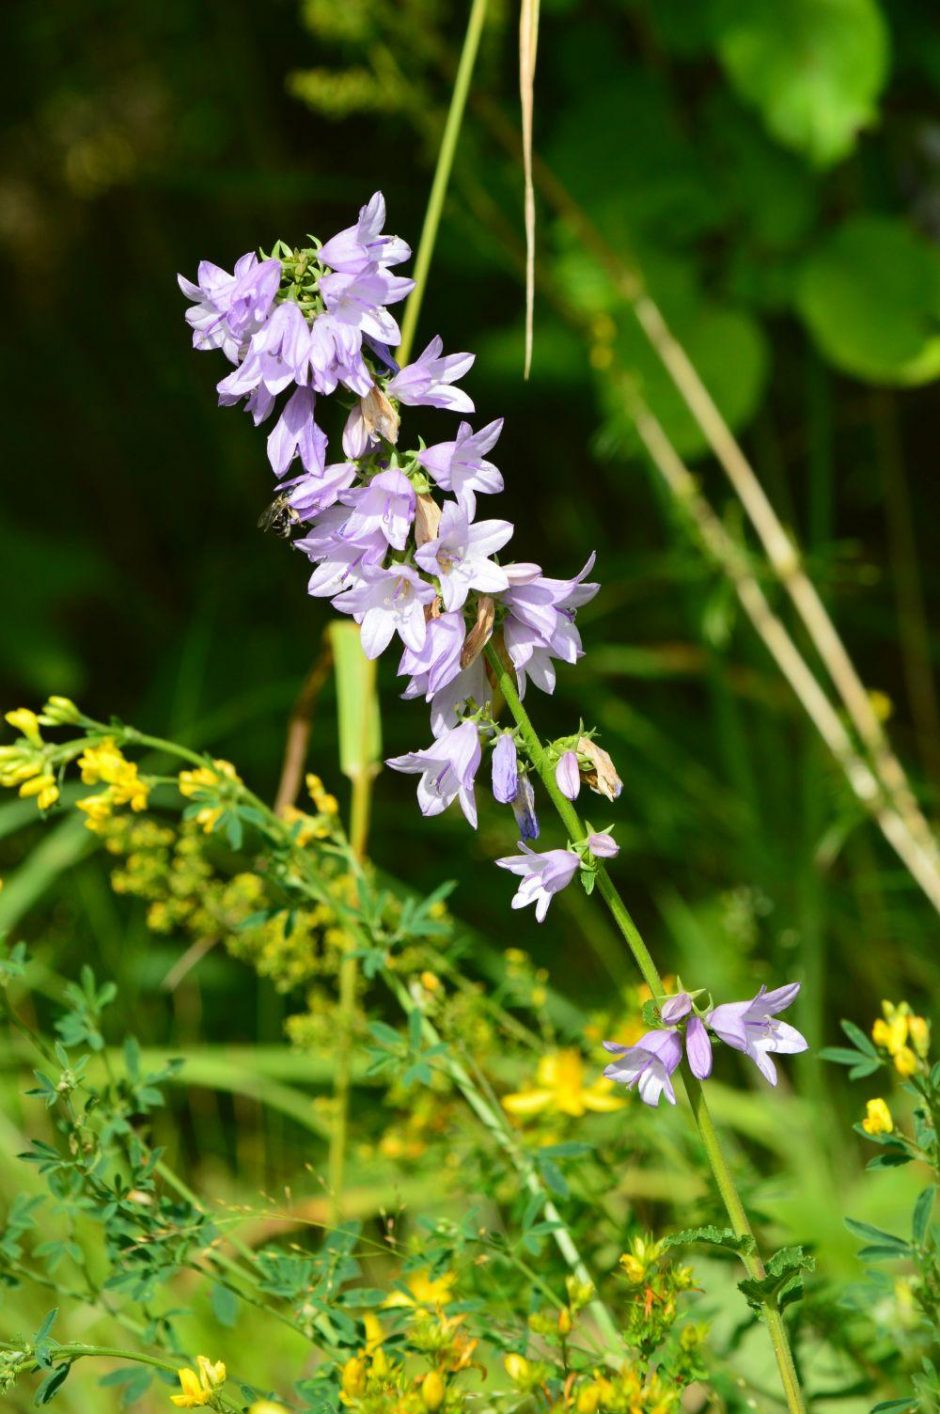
(839, 1055)
(870, 296)
(53, 1382)
(224, 1305)
(857, 1036)
(783, 1283)
(813, 69)
(921, 1221)
(714, 1236)
(877, 1235)
(360, 729)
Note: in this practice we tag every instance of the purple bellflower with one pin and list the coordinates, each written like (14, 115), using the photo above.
(389, 601)
(568, 776)
(459, 466)
(460, 556)
(542, 875)
(427, 381)
(297, 434)
(230, 308)
(437, 662)
(649, 1065)
(447, 770)
(752, 1027)
(359, 246)
(386, 504)
(523, 807)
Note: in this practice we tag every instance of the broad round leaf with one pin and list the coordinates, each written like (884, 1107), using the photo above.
(870, 296)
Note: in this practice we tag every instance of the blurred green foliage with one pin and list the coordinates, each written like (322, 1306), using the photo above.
(773, 169)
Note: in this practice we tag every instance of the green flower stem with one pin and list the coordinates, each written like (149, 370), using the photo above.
(496, 1126)
(445, 161)
(693, 1088)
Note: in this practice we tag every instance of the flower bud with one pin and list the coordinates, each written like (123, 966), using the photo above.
(517, 1368)
(60, 711)
(564, 1321)
(523, 807)
(918, 1029)
(600, 774)
(433, 1390)
(213, 1375)
(905, 1061)
(579, 1292)
(603, 846)
(505, 764)
(675, 1008)
(27, 723)
(568, 775)
(634, 1269)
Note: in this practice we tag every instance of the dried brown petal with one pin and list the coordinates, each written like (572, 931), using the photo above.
(427, 519)
(479, 635)
(379, 415)
(601, 774)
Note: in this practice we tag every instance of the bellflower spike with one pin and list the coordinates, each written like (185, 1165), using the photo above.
(543, 875)
(426, 382)
(359, 246)
(459, 466)
(523, 807)
(386, 504)
(459, 557)
(752, 1027)
(297, 434)
(447, 769)
(648, 1065)
(567, 775)
(505, 764)
(389, 601)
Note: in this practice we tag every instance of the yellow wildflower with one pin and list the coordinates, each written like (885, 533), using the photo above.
(424, 1290)
(326, 803)
(877, 1118)
(98, 810)
(560, 1088)
(905, 1062)
(353, 1379)
(27, 723)
(206, 778)
(892, 1035)
(589, 1398)
(198, 1390)
(43, 787)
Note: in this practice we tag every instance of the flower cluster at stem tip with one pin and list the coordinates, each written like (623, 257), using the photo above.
(302, 325)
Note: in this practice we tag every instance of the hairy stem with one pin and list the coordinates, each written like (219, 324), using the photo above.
(724, 1179)
(445, 161)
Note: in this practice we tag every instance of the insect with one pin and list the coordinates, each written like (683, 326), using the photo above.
(280, 517)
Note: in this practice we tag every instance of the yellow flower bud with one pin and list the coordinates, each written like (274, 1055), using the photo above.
(877, 1118)
(36, 785)
(353, 1379)
(433, 1390)
(564, 1321)
(918, 1029)
(634, 1269)
(517, 1368)
(61, 711)
(213, 1375)
(905, 1062)
(27, 723)
(892, 1034)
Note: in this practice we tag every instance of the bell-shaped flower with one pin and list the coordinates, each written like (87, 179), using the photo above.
(542, 875)
(649, 1065)
(359, 301)
(297, 434)
(309, 495)
(364, 244)
(447, 769)
(460, 467)
(386, 504)
(523, 807)
(437, 662)
(274, 355)
(459, 556)
(752, 1027)
(450, 702)
(230, 308)
(389, 601)
(427, 381)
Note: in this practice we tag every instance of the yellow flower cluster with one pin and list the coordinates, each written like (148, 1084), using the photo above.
(199, 1389)
(904, 1035)
(561, 1088)
(103, 763)
(207, 783)
(26, 764)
